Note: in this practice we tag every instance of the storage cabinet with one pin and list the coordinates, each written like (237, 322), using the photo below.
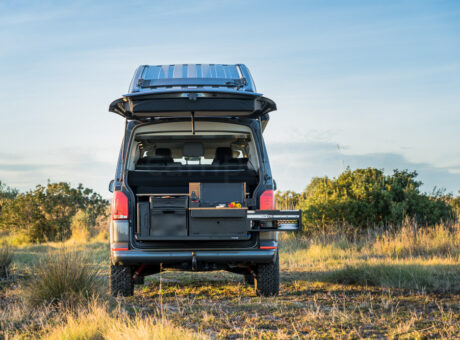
(179, 202)
(168, 222)
(223, 224)
(162, 218)
(143, 218)
(173, 217)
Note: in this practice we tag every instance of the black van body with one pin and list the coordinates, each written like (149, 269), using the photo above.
(193, 189)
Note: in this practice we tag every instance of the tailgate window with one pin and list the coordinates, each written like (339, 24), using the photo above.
(195, 152)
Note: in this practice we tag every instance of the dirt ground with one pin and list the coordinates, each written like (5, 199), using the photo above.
(223, 306)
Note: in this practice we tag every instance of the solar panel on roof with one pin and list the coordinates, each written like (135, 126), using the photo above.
(158, 77)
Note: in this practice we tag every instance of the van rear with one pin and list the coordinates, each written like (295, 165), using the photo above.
(193, 188)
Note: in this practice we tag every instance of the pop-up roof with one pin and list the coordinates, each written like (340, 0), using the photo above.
(199, 90)
(160, 78)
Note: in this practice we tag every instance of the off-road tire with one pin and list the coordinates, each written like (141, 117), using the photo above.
(121, 281)
(249, 279)
(267, 282)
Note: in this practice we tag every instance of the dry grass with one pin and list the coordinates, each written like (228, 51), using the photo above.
(440, 240)
(63, 276)
(84, 228)
(412, 258)
(98, 321)
(6, 258)
(403, 284)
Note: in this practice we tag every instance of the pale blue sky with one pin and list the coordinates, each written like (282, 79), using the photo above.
(357, 83)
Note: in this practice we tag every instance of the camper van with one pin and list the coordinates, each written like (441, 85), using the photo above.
(193, 189)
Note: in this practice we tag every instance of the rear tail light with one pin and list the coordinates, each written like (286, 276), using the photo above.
(267, 200)
(119, 206)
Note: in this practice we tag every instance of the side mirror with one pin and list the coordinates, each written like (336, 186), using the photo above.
(112, 185)
(275, 187)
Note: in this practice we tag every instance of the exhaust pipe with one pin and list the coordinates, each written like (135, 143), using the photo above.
(138, 271)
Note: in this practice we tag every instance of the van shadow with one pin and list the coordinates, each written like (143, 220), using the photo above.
(372, 278)
(429, 278)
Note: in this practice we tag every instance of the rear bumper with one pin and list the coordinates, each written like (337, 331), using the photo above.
(137, 257)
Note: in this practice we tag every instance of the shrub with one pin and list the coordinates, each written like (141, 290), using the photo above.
(367, 198)
(455, 203)
(6, 258)
(63, 276)
(45, 213)
(81, 226)
(287, 200)
(18, 239)
(86, 226)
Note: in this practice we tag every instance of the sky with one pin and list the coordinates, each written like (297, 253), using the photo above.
(357, 83)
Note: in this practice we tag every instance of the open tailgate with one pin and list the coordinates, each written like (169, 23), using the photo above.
(191, 102)
(185, 90)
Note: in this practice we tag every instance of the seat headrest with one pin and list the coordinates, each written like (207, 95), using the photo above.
(164, 152)
(193, 150)
(224, 154)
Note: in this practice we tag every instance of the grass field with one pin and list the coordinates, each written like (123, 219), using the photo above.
(404, 285)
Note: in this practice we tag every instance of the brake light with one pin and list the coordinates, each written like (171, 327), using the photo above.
(267, 200)
(119, 206)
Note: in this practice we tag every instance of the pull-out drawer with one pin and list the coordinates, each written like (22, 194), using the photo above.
(218, 224)
(161, 223)
(179, 202)
(168, 222)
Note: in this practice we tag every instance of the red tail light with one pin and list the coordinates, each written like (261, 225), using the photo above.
(119, 206)
(267, 200)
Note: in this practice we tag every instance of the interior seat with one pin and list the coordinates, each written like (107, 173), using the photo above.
(163, 156)
(223, 156)
(164, 153)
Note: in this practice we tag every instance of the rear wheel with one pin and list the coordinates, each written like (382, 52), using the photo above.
(267, 282)
(121, 281)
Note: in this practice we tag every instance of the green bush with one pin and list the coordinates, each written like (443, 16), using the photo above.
(455, 203)
(287, 200)
(81, 226)
(367, 198)
(45, 213)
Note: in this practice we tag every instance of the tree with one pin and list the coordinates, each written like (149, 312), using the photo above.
(7, 192)
(287, 200)
(367, 197)
(6, 195)
(455, 203)
(46, 212)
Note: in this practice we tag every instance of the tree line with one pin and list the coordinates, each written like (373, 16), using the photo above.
(364, 198)
(46, 213)
(357, 199)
